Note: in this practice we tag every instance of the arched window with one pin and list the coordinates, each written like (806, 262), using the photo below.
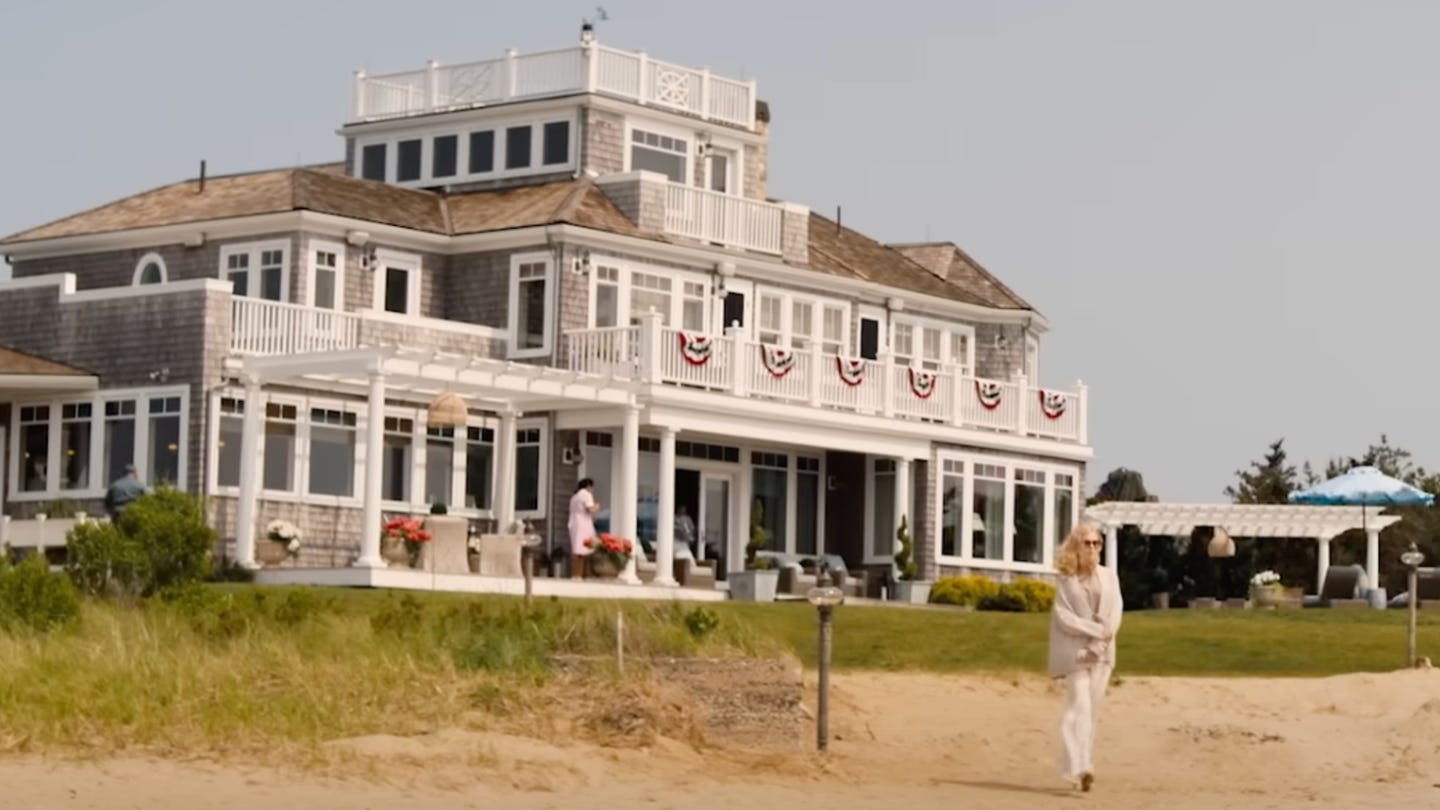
(150, 270)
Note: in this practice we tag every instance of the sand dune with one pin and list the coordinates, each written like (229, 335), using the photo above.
(1358, 741)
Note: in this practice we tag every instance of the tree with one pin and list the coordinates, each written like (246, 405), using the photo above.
(1121, 485)
(1141, 558)
(1268, 481)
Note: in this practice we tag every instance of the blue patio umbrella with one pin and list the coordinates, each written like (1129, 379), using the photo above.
(1363, 486)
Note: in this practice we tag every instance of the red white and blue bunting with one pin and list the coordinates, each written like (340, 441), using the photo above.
(989, 394)
(777, 360)
(852, 370)
(696, 348)
(922, 383)
(1052, 404)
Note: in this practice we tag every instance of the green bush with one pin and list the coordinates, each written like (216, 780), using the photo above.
(1021, 596)
(31, 597)
(967, 591)
(904, 558)
(701, 622)
(161, 540)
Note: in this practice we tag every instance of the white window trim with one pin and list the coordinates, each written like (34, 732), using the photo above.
(547, 340)
(871, 474)
(966, 529)
(255, 249)
(147, 259)
(544, 484)
(97, 400)
(736, 153)
(645, 125)
(788, 337)
(312, 268)
(409, 262)
(946, 328)
(678, 279)
(462, 151)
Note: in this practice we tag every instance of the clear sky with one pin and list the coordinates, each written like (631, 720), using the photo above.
(1224, 208)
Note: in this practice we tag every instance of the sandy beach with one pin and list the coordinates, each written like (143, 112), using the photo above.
(1355, 741)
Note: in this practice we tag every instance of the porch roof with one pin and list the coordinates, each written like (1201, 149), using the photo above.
(1240, 520)
(20, 371)
(421, 374)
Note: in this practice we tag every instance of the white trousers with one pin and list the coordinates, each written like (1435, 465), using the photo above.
(1084, 691)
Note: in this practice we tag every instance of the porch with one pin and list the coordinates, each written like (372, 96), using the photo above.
(417, 580)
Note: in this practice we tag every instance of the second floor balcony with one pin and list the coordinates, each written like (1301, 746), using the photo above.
(267, 328)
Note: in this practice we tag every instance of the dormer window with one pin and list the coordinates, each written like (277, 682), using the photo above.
(457, 153)
(407, 157)
(653, 152)
(149, 270)
(372, 162)
(517, 147)
(257, 270)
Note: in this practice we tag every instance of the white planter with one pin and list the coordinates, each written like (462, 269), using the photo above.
(754, 586)
(912, 592)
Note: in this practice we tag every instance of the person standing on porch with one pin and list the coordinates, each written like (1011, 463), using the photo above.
(583, 507)
(1083, 625)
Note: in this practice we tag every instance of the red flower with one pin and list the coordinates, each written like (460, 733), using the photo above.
(610, 544)
(404, 528)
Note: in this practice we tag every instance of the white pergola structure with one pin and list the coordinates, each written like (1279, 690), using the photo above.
(415, 375)
(1322, 523)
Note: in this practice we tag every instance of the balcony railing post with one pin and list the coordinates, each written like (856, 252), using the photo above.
(958, 394)
(432, 84)
(643, 91)
(1082, 412)
(812, 379)
(650, 346)
(359, 94)
(512, 73)
(704, 94)
(590, 60)
(1022, 410)
(750, 103)
(887, 385)
(739, 361)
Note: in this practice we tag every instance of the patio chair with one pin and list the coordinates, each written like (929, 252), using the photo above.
(1343, 587)
(500, 555)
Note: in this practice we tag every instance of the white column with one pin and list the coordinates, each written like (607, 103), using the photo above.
(1372, 557)
(1112, 547)
(251, 454)
(504, 508)
(1322, 565)
(665, 512)
(622, 512)
(374, 472)
(902, 503)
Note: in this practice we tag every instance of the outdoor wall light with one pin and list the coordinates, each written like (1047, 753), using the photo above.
(1412, 559)
(825, 597)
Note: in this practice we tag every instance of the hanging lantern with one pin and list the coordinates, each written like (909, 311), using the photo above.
(1220, 544)
(447, 410)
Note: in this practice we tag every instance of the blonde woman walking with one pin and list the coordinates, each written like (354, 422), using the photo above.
(1083, 625)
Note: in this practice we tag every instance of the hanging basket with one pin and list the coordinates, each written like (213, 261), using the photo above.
(447, 410)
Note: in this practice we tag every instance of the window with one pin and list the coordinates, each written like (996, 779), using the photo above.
(149, 270)
(768, 480)
(833, 328)
(439, 465)
(772, 326)
(407, 161)
(332, 452)
(647, 292)
(1064, 506)
(398, 283)
(882, 531)
(903, 344)
(398, 442)
(692, 305)
(988, 531)
(517, 147)
(75, 427)
(713, 452)
(164, 458)
(445, 162)
(952, 506)
(1029, 516)
(607, 297)
(259, 270)
(529, 306)
(931, 344)
(557, 143)
(119, 448)
(653, 152)
(372, 162)
(280, 447)
(232, 433)
(482, 152)
(807, 505)
(327, 285)
(479, 466)
(721, 166)
(527, 469)
(35, 448)
(788, 319)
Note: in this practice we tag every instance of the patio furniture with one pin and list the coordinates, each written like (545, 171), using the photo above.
(1343, 587)
(500, 555)
(446, 551)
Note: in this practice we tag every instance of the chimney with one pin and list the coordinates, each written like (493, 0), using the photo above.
(202, 178)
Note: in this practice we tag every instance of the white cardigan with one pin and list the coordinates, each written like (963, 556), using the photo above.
(1074, 630)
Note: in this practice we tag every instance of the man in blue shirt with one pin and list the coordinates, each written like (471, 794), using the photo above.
(125, 489)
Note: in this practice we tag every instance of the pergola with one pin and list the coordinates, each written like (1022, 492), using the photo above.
(1322, 523)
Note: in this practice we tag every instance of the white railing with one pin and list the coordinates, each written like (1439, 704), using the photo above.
(591, 68)
(711, 216)
(736, 365)
(263, 327)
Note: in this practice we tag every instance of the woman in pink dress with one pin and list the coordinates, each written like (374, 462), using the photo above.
(582, 524)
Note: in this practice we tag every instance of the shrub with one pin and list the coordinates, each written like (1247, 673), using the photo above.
(967, 591)
(701, 622)
(161, 540)
(1021, 596)
(904, 558)
(34, 598)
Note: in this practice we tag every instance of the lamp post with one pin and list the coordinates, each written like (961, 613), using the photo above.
(1412, 559)
(824, 597)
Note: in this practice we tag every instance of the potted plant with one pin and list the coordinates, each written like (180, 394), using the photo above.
(1265, 589)
(759, 582)
(401, 538)
(907, 588)
(609, 554)
(282, 540)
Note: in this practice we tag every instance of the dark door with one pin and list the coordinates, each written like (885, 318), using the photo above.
(845, 508)
(734, 309)
(869, 338)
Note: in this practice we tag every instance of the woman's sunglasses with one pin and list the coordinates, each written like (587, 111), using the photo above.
(1091, 543)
